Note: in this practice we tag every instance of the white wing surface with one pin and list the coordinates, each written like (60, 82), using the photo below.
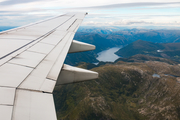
(32, 63)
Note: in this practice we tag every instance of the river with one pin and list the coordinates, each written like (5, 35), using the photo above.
(108, 55)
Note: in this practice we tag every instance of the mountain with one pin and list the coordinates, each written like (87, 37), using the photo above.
(153, 35)
(99, 30)
(165, 50)
(156, 36)
(102, 42)
(139, 47)
(123, 91)
(143, 58)
(107, 37)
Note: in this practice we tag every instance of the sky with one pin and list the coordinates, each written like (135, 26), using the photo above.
(121, 13)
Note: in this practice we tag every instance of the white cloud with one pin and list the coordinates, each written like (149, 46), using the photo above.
(102, 12)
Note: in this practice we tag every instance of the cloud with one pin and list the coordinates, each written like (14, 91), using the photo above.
(13, 2)
(102, 13)
(125, 5)
(19, 19)
(125, 22)
(131, 23)
(117, 23)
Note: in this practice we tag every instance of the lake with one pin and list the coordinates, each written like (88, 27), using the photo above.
(156, 75)
(108, 55)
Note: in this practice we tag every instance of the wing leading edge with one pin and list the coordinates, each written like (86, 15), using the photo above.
(31, 64)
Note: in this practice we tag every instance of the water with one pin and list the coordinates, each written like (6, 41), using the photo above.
(171, 75)
(156, 75)
(108, 55)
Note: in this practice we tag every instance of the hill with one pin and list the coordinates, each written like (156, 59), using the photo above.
(102, 42)
(144, 58)
(165, 50)
(108, 37)
(123, 91)
(139, 47)
(152, 35)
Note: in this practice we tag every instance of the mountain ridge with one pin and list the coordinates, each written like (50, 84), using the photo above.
(164, 50)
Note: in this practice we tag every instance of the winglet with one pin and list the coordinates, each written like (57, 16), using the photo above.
(71, 74)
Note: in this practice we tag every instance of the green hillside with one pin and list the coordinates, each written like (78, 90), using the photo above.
(139, 47)
(144, 58)
(123, 91)
(165, 50)
(102, 42)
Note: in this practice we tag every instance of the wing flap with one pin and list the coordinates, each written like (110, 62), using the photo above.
(6, 112)
(8, 96)
(31, 105)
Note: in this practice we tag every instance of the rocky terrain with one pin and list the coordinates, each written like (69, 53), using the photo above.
(123, 91)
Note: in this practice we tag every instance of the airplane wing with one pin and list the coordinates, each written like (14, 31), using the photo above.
(32, 63)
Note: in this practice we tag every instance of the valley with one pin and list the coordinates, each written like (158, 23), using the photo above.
(124, 90)
(108, 55)
(142, 85)
(105, 38)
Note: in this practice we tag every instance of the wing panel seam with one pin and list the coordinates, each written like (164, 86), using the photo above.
(45, 35)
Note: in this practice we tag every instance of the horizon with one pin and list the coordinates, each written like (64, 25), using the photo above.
(113, 28)
(159, 13)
